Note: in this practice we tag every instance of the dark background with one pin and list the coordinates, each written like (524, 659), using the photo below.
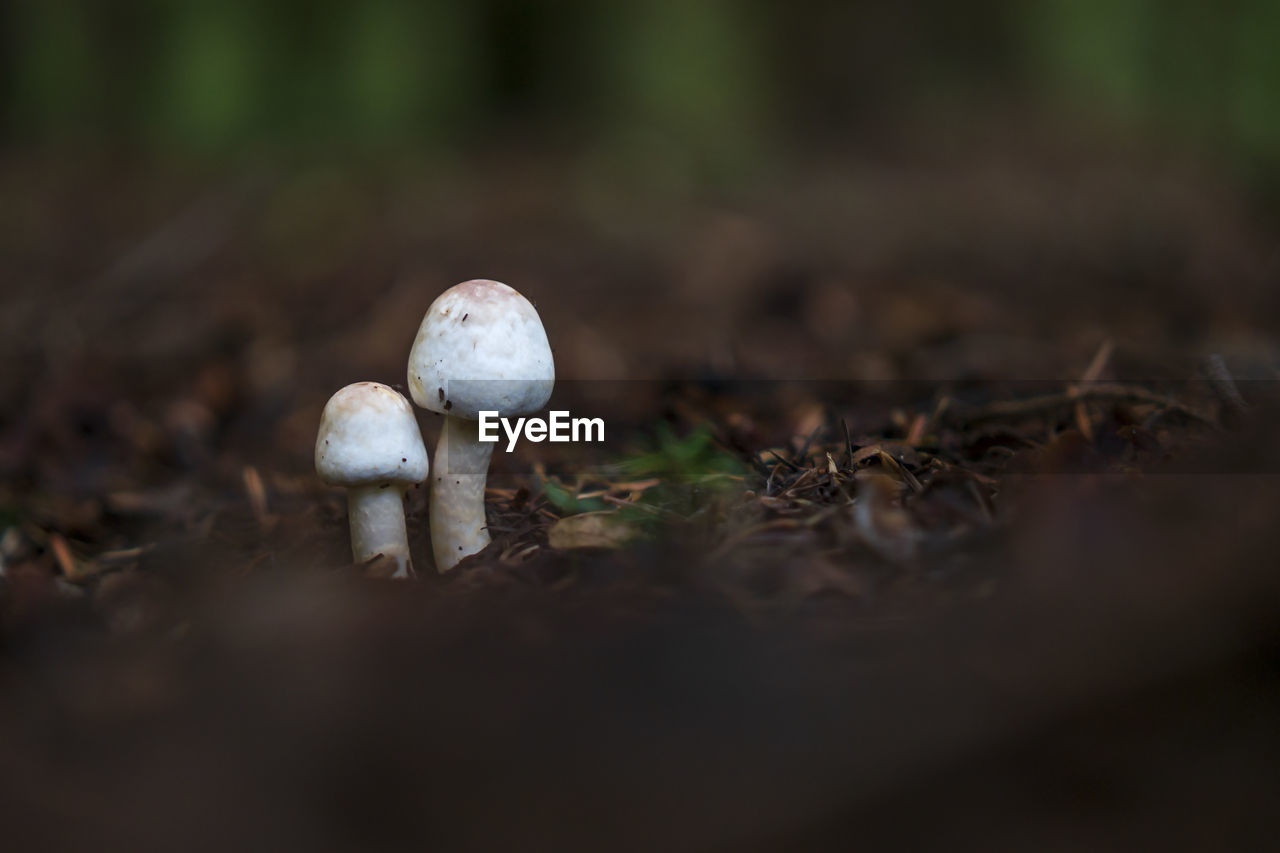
(214, 214)
(722, 84)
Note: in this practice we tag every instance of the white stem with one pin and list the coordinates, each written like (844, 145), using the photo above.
(377, 525)
(457, 493)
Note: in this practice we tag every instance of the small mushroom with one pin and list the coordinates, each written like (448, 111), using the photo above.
(370, 443)
(481, 347)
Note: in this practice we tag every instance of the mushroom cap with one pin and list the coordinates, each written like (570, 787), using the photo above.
(481, 347)
(368, 435)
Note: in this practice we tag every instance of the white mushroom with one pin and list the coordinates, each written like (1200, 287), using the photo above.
(370, 443)
(481, 347)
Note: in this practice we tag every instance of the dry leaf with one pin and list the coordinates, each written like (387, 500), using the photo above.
(604, 529)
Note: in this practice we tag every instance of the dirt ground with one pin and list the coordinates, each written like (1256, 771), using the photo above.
(941, 481)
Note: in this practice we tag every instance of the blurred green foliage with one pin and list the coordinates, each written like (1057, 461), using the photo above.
(718, 81)
(568, 503)
(1209, 71)
(691, 468)
(695, 457)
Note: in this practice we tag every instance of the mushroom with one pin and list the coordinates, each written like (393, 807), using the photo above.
(481, 347)
(370, 443)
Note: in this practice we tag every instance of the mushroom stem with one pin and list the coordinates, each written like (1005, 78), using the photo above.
(457, 493)
(377, 525)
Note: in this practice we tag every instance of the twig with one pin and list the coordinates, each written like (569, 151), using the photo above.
(916, 431)
(804, 448)
(1091, 374)
(939, 409)
(62, 554)
(1224, 386)
(1098, 363)
(1108, 393)
(793, 466)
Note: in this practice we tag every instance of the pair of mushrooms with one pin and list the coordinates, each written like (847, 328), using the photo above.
(481, 347)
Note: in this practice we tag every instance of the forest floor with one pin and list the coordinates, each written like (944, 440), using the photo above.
(938, 504)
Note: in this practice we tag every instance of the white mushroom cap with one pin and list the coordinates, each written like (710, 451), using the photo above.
(368, 435)
(481, 347)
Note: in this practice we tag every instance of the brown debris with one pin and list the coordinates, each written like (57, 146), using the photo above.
(177, 599)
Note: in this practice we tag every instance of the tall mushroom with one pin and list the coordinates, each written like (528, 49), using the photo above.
(481, 347)
(370, 443)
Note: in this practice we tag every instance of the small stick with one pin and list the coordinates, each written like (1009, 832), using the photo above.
(916, 432)
(793, 466)
(944, 402)
(256, 492)
(123, 555)
(1224, 386)
(1098, 363)
(62, 553)
(1091, 374)
(804, 448)
(1012, 409)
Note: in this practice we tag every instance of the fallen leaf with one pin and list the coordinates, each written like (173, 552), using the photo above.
(591, 530)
